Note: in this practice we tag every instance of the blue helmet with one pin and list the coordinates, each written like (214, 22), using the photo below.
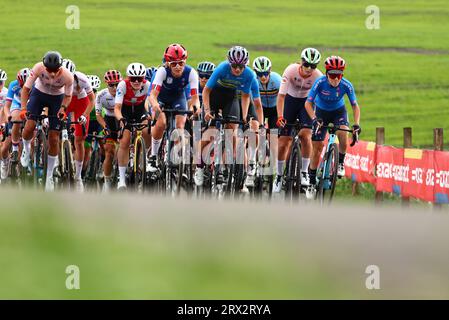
(150, 72)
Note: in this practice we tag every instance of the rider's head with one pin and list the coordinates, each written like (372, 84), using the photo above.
(335, 67)
(136, 74)
(69, 65)
(95, 82)
(112, 78)
(175, 57)
(262, 67)
(22, 76)
(205, 70)
(238, 58)
(310, 57)
(3, 78)
(52, 61)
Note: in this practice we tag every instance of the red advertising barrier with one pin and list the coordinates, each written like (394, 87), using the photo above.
(360, 162)
(421, 174)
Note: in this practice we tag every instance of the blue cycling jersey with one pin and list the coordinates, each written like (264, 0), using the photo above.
(331, 98)
(269, 92)
(223, 77)
(255, 93)
(13, 95)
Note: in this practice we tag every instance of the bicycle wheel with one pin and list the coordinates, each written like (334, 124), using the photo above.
(290, 174)
(239, 176)
(140, 164)
(68, 166)
(328, 179)
(92, 168)
(40, 159)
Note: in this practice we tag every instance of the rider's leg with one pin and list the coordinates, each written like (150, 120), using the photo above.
(53, 150)
(123, 155)
(157, 133)
(305, 135)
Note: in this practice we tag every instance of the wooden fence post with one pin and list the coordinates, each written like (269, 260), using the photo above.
(407, 144)
(380, 140)
(438, 144)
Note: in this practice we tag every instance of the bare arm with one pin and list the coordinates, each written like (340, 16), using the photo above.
(309, 108)
(280, 105)
(91, 104)
(259, 109)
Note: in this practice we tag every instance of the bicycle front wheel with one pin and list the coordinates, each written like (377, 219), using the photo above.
(328, 178)
(140, 164)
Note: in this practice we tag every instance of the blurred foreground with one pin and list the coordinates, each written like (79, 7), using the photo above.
(145, 247)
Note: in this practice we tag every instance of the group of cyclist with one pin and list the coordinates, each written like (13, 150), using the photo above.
(257, 97)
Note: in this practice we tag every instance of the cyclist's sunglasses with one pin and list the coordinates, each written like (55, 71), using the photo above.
(112, 85)
(136, 79)
(309, 65)
(237, 66)
(335, 74)
(204, 75)
(173, 64)
(263, 74)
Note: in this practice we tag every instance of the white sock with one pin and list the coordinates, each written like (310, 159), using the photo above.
(252, 152)
(26, 145)
(305, 165)
(51, 165)
(78, 168)
(155, 144)
(280, 167)
(15, 147)
(122, 171)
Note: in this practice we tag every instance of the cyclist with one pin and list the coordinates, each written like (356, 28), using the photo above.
(53, 86)
(3, 94)
(149, 74)
(297, 80)
(94, 126)
(220, 93)
(83, 102)
(204, 70)
(327, 94)
(168, 88)
(106, 101)
(268, 83)
(130, 107)
(12, 110)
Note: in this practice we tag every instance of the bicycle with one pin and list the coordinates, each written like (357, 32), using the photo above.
(173, 170)
(40, 146)
(263, 179)
(94, 166)
(136, 170)
(328, 168)
(65, 157)
(293, 166)
(15, 171)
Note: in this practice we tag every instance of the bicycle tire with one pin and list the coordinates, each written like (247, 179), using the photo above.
(40, 159)
(69, 172)
(291, 175)
(140, 164)
(328, 179)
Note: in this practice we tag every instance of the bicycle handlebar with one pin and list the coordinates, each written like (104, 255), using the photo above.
(332, 129)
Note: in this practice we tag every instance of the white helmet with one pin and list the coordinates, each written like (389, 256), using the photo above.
(3, 75)
(136, 70)
(69, 65)
(311, 55)
(95, 81)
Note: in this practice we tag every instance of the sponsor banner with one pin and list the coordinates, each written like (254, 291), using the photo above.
(360, 162)
(390, 170)
(441, 176)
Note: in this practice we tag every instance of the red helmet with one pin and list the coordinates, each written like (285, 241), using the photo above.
(335, 63)
(175, 52)
(112, 76)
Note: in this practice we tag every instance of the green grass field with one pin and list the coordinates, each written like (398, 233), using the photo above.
(398, 71)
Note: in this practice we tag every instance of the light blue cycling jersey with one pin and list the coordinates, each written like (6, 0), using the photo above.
(331, 98)
(222, 77)
(255, 93)
(13, 95)
(269, 92)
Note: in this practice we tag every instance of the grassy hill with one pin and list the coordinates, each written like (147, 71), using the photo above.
(398, 70)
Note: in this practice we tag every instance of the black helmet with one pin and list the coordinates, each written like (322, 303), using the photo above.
(52, 60)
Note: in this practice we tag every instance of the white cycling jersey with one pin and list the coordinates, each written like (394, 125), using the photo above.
(105, 101)
(3, 94)
(52, 84)
(81, 85)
